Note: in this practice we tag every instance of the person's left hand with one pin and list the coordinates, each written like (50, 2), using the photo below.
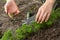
(44, 12)
(11, 7)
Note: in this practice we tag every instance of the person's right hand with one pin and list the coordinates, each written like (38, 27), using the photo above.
(44, 11)
(11, 7)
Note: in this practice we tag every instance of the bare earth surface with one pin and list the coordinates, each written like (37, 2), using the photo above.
(24, 6)
(51, 33)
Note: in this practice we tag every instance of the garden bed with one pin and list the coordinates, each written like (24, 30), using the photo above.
(46, 33)
(25, 30)
(6, 22)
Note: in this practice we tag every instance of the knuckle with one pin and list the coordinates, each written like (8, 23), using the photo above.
(5, 6)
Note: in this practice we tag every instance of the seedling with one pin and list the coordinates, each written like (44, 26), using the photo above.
(7, 35)
(11, 16)
(28, 14)
(25, 30)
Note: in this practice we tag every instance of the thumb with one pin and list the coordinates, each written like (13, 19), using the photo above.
(17, 12)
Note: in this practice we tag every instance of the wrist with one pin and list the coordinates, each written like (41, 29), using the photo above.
(51, 1)
(9, 0)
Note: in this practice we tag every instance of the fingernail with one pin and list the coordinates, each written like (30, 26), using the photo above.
(37, 22)
(35, 19)
(45, 21)
(40, 22)
(17, 12)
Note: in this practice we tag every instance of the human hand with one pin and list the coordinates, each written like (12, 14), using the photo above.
(44, 12)
(11, 7)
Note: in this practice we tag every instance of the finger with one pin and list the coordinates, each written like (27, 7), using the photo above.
(40, 17)
(38, 14)
(44, 16)
(17, 12)
(48, 15)
(5, 7)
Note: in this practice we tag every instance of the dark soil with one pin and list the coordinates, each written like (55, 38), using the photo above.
(24, 6)
(50, 33)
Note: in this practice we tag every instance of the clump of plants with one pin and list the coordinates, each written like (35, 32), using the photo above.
(25, 30)
(7, 35)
